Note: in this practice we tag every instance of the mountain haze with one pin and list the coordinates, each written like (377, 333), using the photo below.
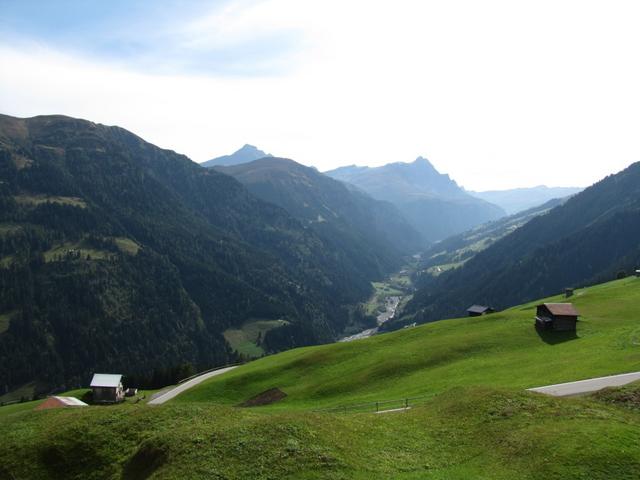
(432, 202)
(520, 199)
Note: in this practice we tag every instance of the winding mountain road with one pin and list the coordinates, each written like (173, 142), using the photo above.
(163, 397)
(587, 386)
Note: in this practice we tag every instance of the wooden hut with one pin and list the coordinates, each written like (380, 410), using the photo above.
(61, 402)
(561, 317)
(477, 310)
(107, 388)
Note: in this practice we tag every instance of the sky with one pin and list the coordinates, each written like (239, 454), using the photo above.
(498, 94)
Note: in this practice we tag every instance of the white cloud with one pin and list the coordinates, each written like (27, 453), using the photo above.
(498, 94)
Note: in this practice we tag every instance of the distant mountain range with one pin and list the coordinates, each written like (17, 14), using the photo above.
(372, 233)
(520, 199)
(432, 202)
(591, 238)
(248, 153)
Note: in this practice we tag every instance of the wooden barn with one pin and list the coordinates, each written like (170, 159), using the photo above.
(477, 310)
(107, 388)
(61, 402)
(561, 317)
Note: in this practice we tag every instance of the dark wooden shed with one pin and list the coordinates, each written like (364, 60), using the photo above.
(561, 317)
(477, 310)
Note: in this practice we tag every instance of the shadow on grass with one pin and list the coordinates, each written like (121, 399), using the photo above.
(145, 462)
(552, 337)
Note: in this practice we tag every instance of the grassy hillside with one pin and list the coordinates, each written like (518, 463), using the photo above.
(475, 421)
(467, 433)
(501, 350)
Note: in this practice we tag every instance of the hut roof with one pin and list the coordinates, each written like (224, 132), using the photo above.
(71, 401)
(562, 309)
(60, 402)
(477, 309)
(105, 380)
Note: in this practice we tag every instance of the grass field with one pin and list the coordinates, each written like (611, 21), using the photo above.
(27, 392)
(7, 228)
(500, 350)
(5, 319)
(382, 290)
(24, 392)
(466, 433)
(83, 250)
(38, 199)
(475, 421)
(244, 339)
(127, 245)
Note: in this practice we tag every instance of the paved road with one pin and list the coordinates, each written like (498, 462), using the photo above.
(178, 389)
(587, 386)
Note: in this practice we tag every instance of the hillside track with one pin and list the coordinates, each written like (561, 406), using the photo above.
(168, 395)
(587, 386)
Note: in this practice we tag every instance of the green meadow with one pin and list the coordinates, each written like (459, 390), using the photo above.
(474, 418)
(499, 350)
(465, 433)
(247, 339)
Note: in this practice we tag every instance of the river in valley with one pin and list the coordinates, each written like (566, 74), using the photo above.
(391, 305)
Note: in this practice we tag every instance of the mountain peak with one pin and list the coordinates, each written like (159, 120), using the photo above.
(247, 153)
(247, 147)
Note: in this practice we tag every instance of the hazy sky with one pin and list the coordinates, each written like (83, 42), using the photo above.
(498, 94)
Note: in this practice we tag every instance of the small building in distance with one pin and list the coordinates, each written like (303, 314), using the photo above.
(130, 392)
(61, 402)
(477, 310)
(107, 388)
(561, 317)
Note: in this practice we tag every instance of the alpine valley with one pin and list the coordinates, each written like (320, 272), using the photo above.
(118, 255)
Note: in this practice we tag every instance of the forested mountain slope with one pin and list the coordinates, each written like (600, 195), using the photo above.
(590, 238)
(372, 233)
(458, 249)
(432, 202)
(117, 255)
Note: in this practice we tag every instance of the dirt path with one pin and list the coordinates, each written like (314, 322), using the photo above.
(587, 386)
(178, 389)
